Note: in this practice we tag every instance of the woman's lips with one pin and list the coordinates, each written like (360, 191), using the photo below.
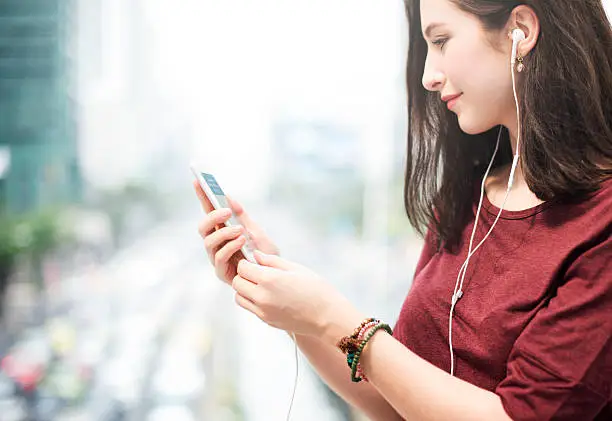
(451, 100)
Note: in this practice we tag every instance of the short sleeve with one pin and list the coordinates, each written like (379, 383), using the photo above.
(560, 367)
(428, 251)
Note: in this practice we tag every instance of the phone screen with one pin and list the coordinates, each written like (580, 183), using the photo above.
(218, 192)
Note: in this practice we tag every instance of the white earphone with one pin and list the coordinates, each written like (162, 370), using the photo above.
(517, 36)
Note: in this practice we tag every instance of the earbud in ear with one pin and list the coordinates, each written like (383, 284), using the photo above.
(518, 35)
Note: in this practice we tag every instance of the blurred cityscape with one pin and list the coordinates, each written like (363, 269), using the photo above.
(109, 308)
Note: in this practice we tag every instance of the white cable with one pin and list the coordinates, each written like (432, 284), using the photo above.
(458, 291)
(297, 372)
(518, 135)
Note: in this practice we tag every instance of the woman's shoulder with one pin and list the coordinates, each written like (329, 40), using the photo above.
(587, 216)
(600, 198)
(605, 188)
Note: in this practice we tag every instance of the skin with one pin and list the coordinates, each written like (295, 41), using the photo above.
(462, 58)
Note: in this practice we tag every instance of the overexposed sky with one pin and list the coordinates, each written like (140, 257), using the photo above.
(236, 66)
(283, 50)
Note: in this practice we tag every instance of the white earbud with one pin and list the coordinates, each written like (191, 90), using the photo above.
(517, 36)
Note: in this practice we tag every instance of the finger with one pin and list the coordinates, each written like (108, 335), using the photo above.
(273, 261)
(206, 205)
(254, 231)
(248, 305)
(212, 221)
(245, 288)
(241, 214)
(217, 239)
(235, 205)
(226, 252)
(255, 273)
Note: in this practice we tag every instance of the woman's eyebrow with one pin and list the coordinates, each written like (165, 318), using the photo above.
(431, 27)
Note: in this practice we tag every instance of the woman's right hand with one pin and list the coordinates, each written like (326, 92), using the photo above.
(223, 243)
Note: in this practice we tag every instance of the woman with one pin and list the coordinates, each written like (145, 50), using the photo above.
(520, 326)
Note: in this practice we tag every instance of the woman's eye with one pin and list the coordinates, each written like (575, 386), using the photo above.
(440, 42)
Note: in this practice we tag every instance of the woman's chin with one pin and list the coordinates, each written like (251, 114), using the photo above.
(469, 125)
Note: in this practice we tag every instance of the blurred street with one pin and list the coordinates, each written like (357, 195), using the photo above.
(135, 339)
(153, 334)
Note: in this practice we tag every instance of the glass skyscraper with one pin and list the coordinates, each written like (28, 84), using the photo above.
(38, 136)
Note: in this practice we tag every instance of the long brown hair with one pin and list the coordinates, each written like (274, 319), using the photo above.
(566, 115)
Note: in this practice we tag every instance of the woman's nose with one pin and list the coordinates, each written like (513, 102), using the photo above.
(433, 79)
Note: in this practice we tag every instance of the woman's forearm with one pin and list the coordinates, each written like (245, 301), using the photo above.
(331, 366)
(420, 391)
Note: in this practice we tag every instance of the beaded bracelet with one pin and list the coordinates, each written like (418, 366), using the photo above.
(355, 359)
(365, 329)
(351, 343)
(360, 338)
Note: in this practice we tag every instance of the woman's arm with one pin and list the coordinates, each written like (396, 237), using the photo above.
(288, 296)
(421, 391)
(331, 366)
(417, 389)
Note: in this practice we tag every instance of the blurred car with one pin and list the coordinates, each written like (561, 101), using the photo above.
(103, 407)
(12, 407)
(7, 386)
(28, 359)
(65, 380)
(47, 405)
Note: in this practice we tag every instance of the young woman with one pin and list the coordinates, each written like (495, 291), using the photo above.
(510, 140)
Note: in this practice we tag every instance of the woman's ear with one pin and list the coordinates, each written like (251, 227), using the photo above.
(525, 18)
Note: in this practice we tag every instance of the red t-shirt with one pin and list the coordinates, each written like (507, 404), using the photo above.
(534, 324)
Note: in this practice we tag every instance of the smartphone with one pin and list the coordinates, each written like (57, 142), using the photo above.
(216, 196)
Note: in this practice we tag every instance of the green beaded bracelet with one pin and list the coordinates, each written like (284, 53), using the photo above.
(357, 356)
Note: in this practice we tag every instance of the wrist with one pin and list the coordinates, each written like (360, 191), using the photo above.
(341, 325)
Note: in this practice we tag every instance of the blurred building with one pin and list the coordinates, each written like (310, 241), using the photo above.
(38, 130)
(127, 131)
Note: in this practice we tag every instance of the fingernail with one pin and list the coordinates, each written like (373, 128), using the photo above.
(226, 212)
(236, 229)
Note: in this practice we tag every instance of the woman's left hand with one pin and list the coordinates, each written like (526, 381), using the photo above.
(291, 297)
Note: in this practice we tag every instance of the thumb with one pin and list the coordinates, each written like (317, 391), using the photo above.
(235, 205)
(273, 261)
(241, 214)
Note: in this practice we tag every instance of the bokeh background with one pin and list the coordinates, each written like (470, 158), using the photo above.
(109, 309)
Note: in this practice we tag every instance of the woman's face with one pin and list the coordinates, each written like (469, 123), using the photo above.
(466, 63)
